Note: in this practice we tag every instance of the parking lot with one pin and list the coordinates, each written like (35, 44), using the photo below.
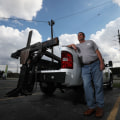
(60, 106)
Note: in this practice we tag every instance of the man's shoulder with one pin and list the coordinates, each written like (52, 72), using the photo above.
(89, 41)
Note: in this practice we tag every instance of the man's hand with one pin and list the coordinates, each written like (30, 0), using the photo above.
(102, 66)
(74, 47)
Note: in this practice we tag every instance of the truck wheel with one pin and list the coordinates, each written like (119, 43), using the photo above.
(110, 85)
(47, 87)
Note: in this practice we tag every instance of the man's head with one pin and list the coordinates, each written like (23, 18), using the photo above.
(81, 36)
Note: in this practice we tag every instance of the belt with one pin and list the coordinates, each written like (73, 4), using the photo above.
(91, 62)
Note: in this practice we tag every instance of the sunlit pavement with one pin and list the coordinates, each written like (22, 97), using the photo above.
(60, 106)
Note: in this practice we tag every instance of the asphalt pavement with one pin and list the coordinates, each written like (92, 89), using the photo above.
(60, 106)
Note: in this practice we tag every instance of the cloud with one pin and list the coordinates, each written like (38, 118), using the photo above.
(16, 22)
(65, 39)
(107, 40)
(12, 40)
(116, 1)
(26, 9)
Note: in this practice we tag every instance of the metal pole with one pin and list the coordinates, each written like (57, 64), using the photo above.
(51, 23)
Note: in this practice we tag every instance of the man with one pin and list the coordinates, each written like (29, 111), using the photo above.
(92, 66)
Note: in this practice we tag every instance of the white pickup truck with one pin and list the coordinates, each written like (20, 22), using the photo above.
(69, 74)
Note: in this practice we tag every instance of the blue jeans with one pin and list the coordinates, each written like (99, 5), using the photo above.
(93, 73)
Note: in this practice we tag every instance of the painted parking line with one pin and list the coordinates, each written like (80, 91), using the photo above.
(113, 113)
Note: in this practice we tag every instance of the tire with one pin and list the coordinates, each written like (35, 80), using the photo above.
(110, 85)
(47, 88)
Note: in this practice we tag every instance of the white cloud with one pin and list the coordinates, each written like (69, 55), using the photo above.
(26, 9)
(117, 1)
(65, 39)
(107, 40)
(16, 22)
(12, 40)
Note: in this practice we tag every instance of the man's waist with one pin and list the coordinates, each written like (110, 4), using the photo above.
(91, 62)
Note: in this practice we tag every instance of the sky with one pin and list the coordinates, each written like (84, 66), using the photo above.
(98, 19)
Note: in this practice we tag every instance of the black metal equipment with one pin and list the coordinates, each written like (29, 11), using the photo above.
(31, 60)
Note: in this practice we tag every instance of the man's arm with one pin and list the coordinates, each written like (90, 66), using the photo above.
(102, 66)
(73, 46)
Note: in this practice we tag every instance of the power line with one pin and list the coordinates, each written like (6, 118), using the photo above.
(83, 11)
(22, 19)
(59, 18)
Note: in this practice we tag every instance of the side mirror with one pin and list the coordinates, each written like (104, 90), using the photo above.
(110, 63)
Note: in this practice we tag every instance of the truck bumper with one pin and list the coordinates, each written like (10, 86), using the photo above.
(58, 77)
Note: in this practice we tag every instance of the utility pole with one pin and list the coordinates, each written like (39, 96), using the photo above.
(51, 23)
(17, 68)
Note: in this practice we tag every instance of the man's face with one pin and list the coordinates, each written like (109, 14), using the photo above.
(80, 36)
